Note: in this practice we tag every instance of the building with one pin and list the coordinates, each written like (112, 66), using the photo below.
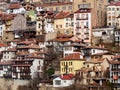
(8, 55)
(93, 73)
(57, 6)
(103, 35)
(71, 62)
(15, 9)
(83, 25)
(64, 80)
(6, 69)
(117, 36)
(63, 23)
(49, 22)
(92, 50)
(114, 71)
(98, 10)
(113, 14)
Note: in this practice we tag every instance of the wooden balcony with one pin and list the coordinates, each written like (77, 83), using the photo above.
(115, 69)
(25, 76)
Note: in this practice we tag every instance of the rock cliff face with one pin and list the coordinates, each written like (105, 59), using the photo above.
(10, 84)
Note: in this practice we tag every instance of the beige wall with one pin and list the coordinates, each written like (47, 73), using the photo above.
(59, 23)
(64, 7)
(76, 64)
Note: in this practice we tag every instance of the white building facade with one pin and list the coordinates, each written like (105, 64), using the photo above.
(82, 25)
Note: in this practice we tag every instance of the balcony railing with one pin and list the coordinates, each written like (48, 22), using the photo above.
(115, 69)
(78, 26)
(81, 18)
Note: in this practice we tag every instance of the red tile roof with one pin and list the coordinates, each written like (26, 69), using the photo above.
(116, 57)
(10, 50)
(100, 60)
(21, 65)
(73, 56)
(26, 42)
(61, 15)
(84, 10)
(14, 6)
(67, 77)
(53, 4)
(6, 16)
(2, 45)
(114, 62)
(114, 3)
(64, 35)
(6, 63)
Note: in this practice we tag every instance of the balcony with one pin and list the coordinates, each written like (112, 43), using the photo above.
(115, 69)
(25, 76)
(25, 70)
(77, 26)
(50, 21)
(81, 18)
(7, 75)
(87, 32)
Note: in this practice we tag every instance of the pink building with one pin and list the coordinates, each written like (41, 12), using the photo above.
(82, 24)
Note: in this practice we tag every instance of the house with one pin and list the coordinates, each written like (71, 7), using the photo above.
(62, 21)
(15, 8)
(114, 71)
(37, 66)
(49, 22)
(91, 50)
(8, 55)
(98, 10)
(71, 62)
(2, 29)
(56, 6)
(6, 69)
(19, 21)
(63, 80)
(82, 25)
(103, 35)
(7, 20)
(113, 14)
(117, 37)
(93, 72)
(22, 64)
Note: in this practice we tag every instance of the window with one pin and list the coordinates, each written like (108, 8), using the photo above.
(61, 26)
(39, 25)
(57, 82)
(64, 8)
(87, 24)
(113, 9)
(93, 51)
(66, 24)
(57, 8)
(69, 7)
(51, 9)
(56, 26)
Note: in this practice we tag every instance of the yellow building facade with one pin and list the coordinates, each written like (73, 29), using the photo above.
(71, 63)
(63, 23)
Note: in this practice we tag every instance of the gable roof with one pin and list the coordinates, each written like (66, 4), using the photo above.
(84, 10)
(67, 76)
(61, 15)
(114, 3)
(73, 56)
(14, 6)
